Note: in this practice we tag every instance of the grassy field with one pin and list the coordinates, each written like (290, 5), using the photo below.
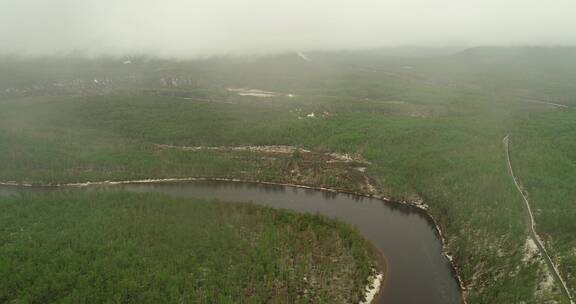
(143, 248)
(431, 129)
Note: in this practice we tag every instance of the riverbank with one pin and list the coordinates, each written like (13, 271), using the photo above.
(417, 205)
(376, 283)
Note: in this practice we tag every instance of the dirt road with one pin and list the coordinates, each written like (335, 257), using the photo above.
(532, 225)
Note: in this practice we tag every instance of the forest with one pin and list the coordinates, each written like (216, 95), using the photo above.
(427, 128)
(120, 247)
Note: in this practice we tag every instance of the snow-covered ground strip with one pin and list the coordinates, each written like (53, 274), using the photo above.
(266, 149)
(334, 157)
(254, 92)
(373, 288)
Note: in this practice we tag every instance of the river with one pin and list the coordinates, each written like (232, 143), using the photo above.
(417, 271)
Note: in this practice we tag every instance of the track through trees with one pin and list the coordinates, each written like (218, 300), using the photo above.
(532, 225)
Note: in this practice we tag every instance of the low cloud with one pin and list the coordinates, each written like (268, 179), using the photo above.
(205, 27)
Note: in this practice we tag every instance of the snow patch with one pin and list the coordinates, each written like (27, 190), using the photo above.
(303, 56)
(530, 250)
(373, 288)
(547, 284)
(267, 149)
(253, 92)
(334, 157)
(341, 157)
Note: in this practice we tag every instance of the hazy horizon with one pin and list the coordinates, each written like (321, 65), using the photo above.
(199, 28)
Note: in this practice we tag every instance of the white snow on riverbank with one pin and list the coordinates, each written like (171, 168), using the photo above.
(372, 289)
(16, 184)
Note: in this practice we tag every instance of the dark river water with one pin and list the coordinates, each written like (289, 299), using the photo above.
(418, 273)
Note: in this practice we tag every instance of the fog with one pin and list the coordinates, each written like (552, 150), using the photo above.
(205, 27)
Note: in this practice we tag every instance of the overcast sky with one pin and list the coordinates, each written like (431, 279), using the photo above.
(204, 27)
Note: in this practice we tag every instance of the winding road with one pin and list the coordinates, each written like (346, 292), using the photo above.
(532, 224)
